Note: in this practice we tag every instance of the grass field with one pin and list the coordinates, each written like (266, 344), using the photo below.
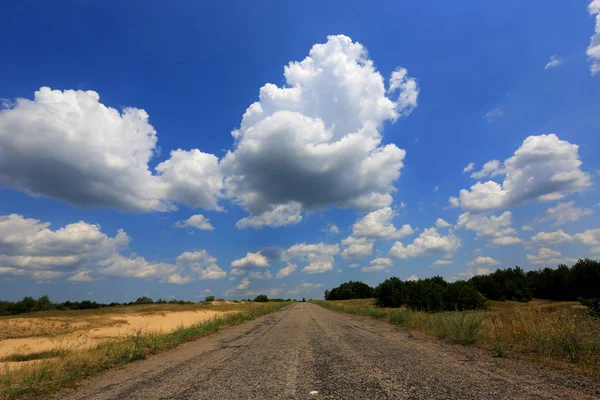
(43, 352)
(560, 334)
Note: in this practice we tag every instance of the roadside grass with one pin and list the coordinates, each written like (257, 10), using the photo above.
(559, 334)
(47, 375)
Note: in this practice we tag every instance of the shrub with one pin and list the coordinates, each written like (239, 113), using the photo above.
(210, 298)
(593, 305)
(261, 298)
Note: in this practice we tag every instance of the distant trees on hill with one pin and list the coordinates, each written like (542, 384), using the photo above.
(350, 290)
(43, 303)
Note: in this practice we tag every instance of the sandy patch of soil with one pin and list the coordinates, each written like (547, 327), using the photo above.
(118, 326)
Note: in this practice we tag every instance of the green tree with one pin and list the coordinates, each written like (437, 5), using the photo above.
(261, 298)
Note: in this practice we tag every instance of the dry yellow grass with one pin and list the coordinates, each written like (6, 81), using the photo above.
(560, 334)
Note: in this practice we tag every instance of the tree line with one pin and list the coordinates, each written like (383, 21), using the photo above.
(581, 281)
(43, 303)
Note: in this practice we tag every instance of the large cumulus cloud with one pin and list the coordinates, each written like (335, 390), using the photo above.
(316, 140)
(69, 146)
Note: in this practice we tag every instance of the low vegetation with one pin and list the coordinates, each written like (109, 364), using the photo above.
(560, 334)
(46, 372)
(496, 311)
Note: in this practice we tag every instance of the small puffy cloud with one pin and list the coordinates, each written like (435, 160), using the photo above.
(251, 260)
(429, 242)
(356, 248)
(378, 264)
(495, 228)
(442, 262)
(196, 221)
(353, 265)
(69, 146)
(557, 237)
(527, 228)
(543, 168)
(454, 202)
(490, 168)
(593, 50)
(319, 256)
(590, 236)
(321, 129)
(549, 258)
(412, 278)
(287, 270)
(505, 241)
(440, 223)
(468, 168)
(372, 201)
(378, 225)
(277, 215)
(237, 290)
(565, 212)
(436, 188)
(373, 268)
(553, 63)
(484, 260)
(471, 272)
(260, 274)
(333, 229)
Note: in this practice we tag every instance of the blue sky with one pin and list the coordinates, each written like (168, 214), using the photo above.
(341, 169)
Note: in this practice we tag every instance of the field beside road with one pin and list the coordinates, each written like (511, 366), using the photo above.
(308, 352)
(43, 351)
(559, 334)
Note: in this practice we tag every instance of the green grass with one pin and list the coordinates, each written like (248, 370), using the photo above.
(41, 379)
(462, 327)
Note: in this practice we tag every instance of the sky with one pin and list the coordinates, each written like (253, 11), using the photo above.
(185, 149)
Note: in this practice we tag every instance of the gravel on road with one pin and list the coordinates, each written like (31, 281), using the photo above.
(307, 352)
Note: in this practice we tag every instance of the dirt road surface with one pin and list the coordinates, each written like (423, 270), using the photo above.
(308, 352)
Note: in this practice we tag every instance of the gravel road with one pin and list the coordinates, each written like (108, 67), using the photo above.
(307, 352)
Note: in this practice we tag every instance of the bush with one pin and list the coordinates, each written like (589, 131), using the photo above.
(261, 298)
(593, 305)
(209, 298)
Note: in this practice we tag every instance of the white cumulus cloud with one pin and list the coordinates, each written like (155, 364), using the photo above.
(196, 221)
(316, 140)
(319, 256)
(429, 242)
(484, 260)
(544, 168)
(69, 146)
(593, 50)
